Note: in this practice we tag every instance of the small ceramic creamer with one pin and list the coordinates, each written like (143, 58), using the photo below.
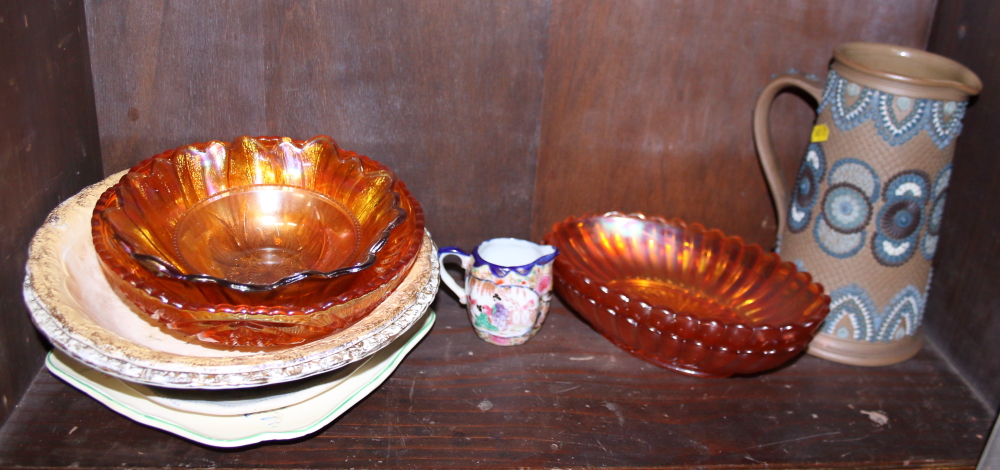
(864, 215)
(508, 288)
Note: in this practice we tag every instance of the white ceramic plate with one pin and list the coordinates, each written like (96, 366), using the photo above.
(272, 423)
(239, 401)
(72, 303)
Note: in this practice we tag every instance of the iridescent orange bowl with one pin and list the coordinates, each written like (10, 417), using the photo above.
(685, 298)
(262, 242)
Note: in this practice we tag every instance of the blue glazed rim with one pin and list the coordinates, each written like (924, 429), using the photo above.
(502, 271)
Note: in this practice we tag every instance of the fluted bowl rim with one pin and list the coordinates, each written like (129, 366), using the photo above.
(165, 268)
(148, 283)
(685, 226)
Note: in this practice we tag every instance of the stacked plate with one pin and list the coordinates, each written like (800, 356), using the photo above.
(133, 356)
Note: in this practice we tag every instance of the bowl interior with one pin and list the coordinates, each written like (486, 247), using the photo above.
(253, 215)
(683, 269)
(261, 234)
(304, 297)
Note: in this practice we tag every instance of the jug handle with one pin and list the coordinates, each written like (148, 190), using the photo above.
(762, 136)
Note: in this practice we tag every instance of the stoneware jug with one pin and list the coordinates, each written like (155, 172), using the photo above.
(864, 214)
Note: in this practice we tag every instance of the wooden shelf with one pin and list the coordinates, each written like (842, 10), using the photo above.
(568, 398)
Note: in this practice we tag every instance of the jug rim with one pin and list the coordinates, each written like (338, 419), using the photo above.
(906, 71)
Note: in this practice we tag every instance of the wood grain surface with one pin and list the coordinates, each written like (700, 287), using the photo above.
(446, 93)
(567, 398)
(964, 301)
(647, 104)
(48, 151)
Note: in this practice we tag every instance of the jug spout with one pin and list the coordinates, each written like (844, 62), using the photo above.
(513, 253)
(549, 253)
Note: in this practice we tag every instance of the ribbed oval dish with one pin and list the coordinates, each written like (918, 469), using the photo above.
(685, 298)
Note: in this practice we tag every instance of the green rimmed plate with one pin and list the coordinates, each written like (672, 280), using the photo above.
(287, 422)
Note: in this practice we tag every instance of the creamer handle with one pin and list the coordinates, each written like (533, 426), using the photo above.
(446, 277)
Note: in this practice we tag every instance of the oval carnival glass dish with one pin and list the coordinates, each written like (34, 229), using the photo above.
(685, 298)
(252, 177)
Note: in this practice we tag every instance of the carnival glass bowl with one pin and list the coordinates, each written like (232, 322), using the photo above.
(321, 187)
(252, 215)
(685, 298)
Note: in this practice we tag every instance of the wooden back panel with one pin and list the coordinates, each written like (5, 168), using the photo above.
(448, 94)
(48, 151)
(647, 104)
(964, 300)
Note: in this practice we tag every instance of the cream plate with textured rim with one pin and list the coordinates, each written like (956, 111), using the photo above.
(72, 303)
(272, 423)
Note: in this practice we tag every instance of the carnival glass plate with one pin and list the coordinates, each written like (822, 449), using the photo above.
(683, 297)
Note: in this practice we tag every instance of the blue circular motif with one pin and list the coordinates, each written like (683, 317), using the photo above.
(805, 186)
(911, 184)
(942, 180)
(937, 212)
(891, 253)
(903, 219)
(805, 193)
(929, 246)
(857, 173)
(940, 193)
(846, 208)
(900, 219)
(835, 243)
